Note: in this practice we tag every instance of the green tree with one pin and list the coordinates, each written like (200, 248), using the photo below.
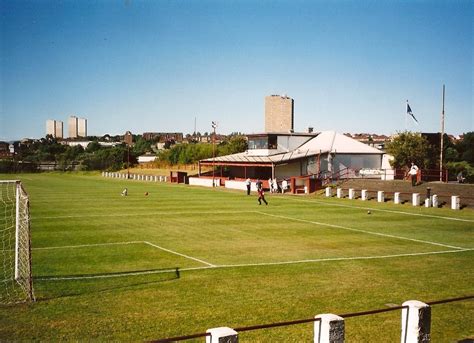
(465, 148)
(233, 145)
(409, 147)
(141, 146)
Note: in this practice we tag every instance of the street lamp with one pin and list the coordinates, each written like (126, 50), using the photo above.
(214, 126)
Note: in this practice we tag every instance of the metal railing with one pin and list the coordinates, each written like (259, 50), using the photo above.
(308, 320)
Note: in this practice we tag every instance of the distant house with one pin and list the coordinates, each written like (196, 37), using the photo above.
(146, 158)
(286, 155)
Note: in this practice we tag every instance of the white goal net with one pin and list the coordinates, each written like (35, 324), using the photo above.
(16, 281)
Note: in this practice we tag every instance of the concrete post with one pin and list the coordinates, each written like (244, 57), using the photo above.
(416, 322)
(339, 193)
(435, 201)
(222, 335)
(380, 196)
(328, 191)
(363, 194)
(416, 199)
(455, 202)
(329, 329)
(396, 198)
(351, 193)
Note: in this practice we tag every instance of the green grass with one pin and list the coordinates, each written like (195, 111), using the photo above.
(230, 251)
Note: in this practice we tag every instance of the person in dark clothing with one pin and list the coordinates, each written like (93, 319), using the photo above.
(248, 183)
(261, 196)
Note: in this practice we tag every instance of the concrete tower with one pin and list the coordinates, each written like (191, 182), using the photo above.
(279, 113)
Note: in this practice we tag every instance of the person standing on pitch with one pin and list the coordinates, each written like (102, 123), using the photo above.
(413, 173)
(248, 183)
(261, 196)
(275, 185)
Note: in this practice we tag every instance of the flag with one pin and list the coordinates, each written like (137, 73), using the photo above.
(411, 113)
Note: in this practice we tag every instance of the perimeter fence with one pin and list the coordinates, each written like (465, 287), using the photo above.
(416, 324)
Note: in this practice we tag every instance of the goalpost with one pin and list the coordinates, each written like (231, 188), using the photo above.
(16, 283)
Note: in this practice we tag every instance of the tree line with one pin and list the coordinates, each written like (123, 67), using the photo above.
(30, 155)
(458, 156)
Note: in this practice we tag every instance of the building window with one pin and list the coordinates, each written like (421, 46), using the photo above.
(269, 142)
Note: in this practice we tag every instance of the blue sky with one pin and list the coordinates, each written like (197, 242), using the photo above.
(145, 66)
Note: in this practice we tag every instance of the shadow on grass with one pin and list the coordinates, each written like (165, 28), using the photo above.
(50, 287)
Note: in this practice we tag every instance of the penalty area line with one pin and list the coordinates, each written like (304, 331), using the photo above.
(361, 231)
(243, 265)
(179, 254)
(329, 259)
(125, 243)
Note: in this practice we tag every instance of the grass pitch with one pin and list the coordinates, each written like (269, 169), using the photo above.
(105, 265)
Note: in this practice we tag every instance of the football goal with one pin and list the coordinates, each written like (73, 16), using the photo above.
(16, 280)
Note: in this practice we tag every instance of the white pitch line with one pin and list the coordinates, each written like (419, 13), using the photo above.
(263, 264)
(384, 210)
(329, 259)
(362, 231)
(123, 243)
(88, 245)
(140, 214)
(179, 254)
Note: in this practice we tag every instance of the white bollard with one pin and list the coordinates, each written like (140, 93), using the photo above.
(435, 201)
(363, 194)
(329, 329)
(351, 193)
(396, 198)
(416, 322)
(416, 199)
(328, 191)
(339, 193)
(427, 202)
(380, 196)
(455, 202)
(222, 334)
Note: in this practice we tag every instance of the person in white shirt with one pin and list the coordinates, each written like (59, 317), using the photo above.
(413, 173)
(284, 186)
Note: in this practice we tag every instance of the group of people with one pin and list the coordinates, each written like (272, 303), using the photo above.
(272, 185)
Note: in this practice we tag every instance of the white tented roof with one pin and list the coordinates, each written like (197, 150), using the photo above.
(326, 141)
(337, 143)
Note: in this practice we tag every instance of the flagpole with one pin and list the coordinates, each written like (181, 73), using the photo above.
(441, 143)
